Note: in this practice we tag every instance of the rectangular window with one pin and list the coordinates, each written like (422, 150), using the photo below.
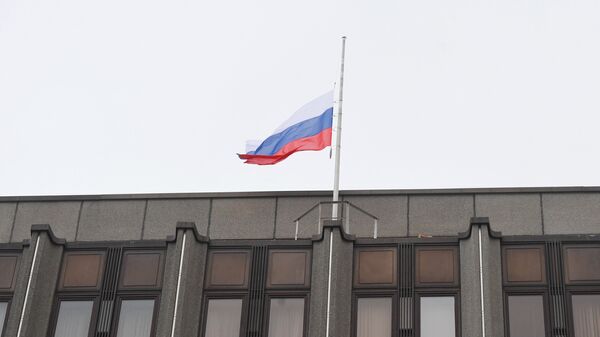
(223, 318)
(374, 317)
(3, 309)
(135, 318)
(74, 319)
(120, 286)
(286, 318)
(586, 315)
(437, 317)
(526, 316)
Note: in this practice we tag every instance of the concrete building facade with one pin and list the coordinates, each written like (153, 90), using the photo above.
(420, 263)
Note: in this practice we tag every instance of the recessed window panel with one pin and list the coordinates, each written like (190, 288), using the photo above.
(374, 317)
(135, 318)
(288, 268)
(228, 269)
(437, 317)
(8, 265)
(526, 316)
(223, 318)
(82, 270)
(141, 269)
(586, 315)
(583, 264)
(286, 318)
(74, 319)
(525, 265)
(375, 266)
(436, 265)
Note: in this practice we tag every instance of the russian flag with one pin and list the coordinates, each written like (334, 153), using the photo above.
(309, 129)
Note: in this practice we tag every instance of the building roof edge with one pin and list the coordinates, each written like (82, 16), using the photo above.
(300, 193)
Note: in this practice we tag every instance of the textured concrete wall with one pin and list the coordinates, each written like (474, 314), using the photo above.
(443, 215)
(190, 294)
(400, 215)
(289, 209)
(318, 293)
(16, 305)
(470, 297)
(36, 316)
(470, 289)
(167, 299)
(492, 284)
(111, 220)
(252, 218)
(392, 212)
(512, 214)
(341, 286)
(7, 216)
(61, 215)
(571, 213)
(162, 215)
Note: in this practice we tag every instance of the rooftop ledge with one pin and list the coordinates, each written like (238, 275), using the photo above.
(299, 193)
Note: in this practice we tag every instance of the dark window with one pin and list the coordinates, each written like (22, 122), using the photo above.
(74, 318)
(552, 288)
(8, 264)
(108, 292)
(228, 268)
(586, 315)
(135, 318)
(524, 264)
(374, 317)
(3, 310)
(269, 301)
(582, 264)
(526, 316)
(286, 317)
(141, 269)
(288, 268)
(223, 318)
(375, 267)
(438, 318)
(437, 265)
(406, 290)
(82, 269)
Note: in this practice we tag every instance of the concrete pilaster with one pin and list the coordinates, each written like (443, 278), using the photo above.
(36, 312)
(341, 284)
(191, 284)
(471, 310)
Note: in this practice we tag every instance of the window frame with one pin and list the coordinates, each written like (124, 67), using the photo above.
(120, 292)
(527, 291)
(415, 288)
(436, 293)
(220, 295)
(132, 297)
(376, 293)
(554, 252)
(211, 291)
(73, 298)
(4, 298)
(286, 294)
(7, 294)
(577, 290)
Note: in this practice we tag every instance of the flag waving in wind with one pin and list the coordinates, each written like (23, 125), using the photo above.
(309, 129)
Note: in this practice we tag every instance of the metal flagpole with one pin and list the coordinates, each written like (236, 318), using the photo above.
(336, 179)
(338, 136)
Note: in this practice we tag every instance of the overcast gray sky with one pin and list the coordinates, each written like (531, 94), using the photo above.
(127, 96)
